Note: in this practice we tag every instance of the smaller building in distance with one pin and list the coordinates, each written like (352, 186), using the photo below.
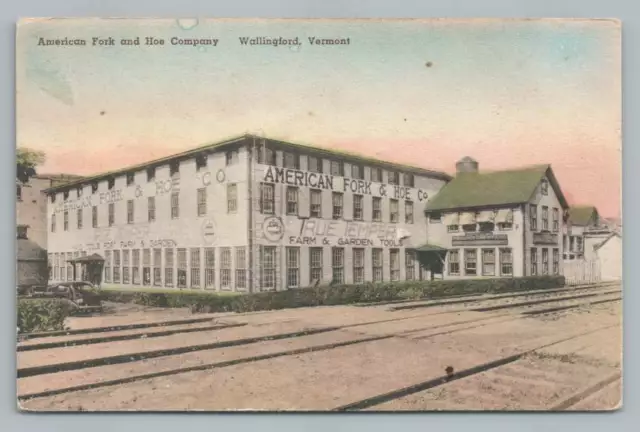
(31, 261)
(498, 224)
(581, 220)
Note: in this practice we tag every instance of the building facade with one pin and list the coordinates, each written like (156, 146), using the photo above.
(248, 214)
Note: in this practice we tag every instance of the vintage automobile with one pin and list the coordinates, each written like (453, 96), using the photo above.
(83, 294)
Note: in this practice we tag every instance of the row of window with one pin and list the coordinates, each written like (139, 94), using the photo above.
(573, 244)
(505, 262)
(291, 160)
(533, 218)
(545, 261)
(481, 227)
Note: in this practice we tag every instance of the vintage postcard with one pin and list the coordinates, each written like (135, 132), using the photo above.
(318, 215)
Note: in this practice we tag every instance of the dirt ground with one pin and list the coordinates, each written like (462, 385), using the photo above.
(560, 354)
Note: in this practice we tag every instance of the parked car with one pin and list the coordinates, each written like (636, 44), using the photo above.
(83, 294)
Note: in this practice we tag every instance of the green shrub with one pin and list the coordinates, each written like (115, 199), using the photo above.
(39, 315)
(333, 295)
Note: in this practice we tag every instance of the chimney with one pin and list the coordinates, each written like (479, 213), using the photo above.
(466, 165)
(22, 232)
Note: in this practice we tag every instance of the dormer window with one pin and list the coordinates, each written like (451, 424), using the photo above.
(544, 187)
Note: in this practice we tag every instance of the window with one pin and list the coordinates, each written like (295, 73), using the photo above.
(337, 168)
(293, 267)
(174, 169)
(534, 261)
(79, 218)
(291, 160)
(209, 268)
(376, 175)
(157, 267)
(544, 187)
(69, 266)
(454, 262)
(488, 262)
(130, 211)
(232, 198)
(111, 183)
(337, 200)
(453, 228)
(357, 172)
(66, 221)
(533, 217)
(19, 192)
(435, 218)
(94, 217)
(225, 268)
(241, 268)
(151, 173)
(135, 273)
(358, 265)
(56, 265)
(267, 198)
(470, 262)
(469, 227)
(556, 220)
(146, 267)
(130, 178)
(314, 164)
(268, 264)
(79, 191)
(315, 262)
(545, 261)
(393, 211)
(556, 261)
(202, 201)
(266, 155)
(182, 268)
(505, 226)
(394, 264)
(151, 208)
(394, 177)
(315, 210)
(65, 195)
(376, 209)
(357, 207)
(377, 263)
(231, 157)
(94, 187)
(410, 264)
(53, 198)
(168, 267)
(116, 266)
(201, 162)
(579, 244)
(125, 267)
(506, 262)
(63, 267)
(337, 265)
(545, 218)
(112, 213)
(408, 212)
(292, 200)
(408, 180)
(107, 266)
(53, 222)
(175, 205)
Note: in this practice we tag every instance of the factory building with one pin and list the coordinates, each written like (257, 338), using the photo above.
(247, 214)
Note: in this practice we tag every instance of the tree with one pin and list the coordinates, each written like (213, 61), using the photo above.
(26, 162)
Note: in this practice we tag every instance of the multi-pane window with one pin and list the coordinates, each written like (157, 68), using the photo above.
(175, 205)
(393, 211)
(544, 187)
(116, 266)
(376, 264)
(470, 262)
(50, 265)
(394, 264)
(506, 262)
(454, 262)
(488, 262)
(556, 261)
(130, 212)
(65, 195)
(182, 268)
(157, 267)
(357, 172)
(107, 266)
(69, 266)
(63, 267)
(394, 177)
(130, 178)
(241, 267)
(125, 267)
(174, 169)
(146, 267)
(410, 264)
(292, 200)
(533, 217)
(168, 267)
(209, 268)
(266, 155)
(376, 175)
(534, 261)
(79, 218)
(314, 164)
(357, 207)
(315, 264)
(268, 267)
(408, 180)
(53, 222)
(112, 213)
(337, 265)
(225, 268)
(231, 157)
(337, 200)
(293, 267)
(315, 209)
(408, 212)
(291, 160)
(358, 265)
(151, 173)
(94, 217)
(376, 209)
(202, 201)
(453, 228)
(201, 162)
(545, 261)
(545, 218)
(54, 264)
(267, 198)
(556, 220)
(65, 220)
(111, 183)
(194, 263)
(337, 168)
(151, 208)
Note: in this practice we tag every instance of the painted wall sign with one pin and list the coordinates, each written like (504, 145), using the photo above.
(480, 239)
(73, 205)
(126, 244)
(208, 231)
(298, 178)
(166, 186)
(545, 238)
(273, 228)
(318, 232)
(111, 196)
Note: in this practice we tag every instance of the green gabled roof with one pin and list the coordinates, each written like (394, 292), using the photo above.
(581, 215)
(497, 188)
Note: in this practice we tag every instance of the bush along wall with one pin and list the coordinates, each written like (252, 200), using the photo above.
(335, 295)
(40, 315)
